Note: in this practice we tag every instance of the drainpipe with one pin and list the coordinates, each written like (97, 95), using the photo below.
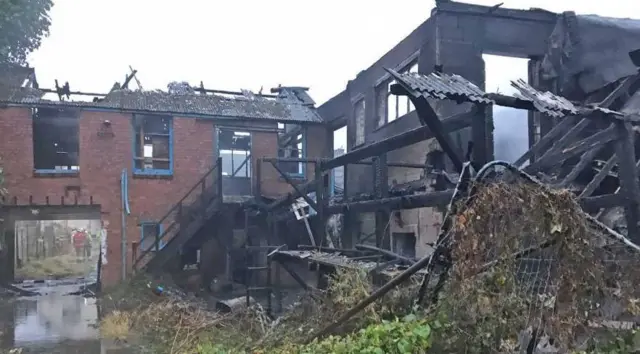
(124, 196)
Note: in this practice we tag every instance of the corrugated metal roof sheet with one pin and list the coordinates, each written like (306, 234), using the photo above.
(247, 107)
(440, 86)
(545, 102)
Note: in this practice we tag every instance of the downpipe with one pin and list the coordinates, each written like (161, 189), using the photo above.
(124, 197)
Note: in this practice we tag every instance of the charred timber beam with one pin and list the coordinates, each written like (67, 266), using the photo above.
(415, 201)
(386, 253)
(393, 164)
(294, 186)
(428, 117)
(547, 139)
(603, 201)
(453, 123)
(599, 177)
(585, 160)
(289, 159)
(595, 140)
(628, 176)
(291, 272)
(570, 121)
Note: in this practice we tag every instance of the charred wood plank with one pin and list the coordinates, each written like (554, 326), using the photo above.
(599, 177)
(585, 160)
(453, 123)
(595, 140)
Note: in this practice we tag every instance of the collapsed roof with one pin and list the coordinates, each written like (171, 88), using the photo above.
(290, 104)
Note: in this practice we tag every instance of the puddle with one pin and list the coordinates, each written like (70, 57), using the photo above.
(52, 322)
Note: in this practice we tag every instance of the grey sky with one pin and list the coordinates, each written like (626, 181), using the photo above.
(243, 43)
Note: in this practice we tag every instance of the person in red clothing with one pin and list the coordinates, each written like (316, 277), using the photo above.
(79, 239)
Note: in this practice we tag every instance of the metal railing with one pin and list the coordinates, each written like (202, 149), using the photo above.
(192, 205)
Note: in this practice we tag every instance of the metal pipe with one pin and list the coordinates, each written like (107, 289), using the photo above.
(124, 197)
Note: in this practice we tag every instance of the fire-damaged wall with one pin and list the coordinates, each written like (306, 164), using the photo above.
(454, 39)
(105, 148)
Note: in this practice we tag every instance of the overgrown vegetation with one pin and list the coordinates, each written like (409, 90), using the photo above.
(178, 326)
(527, 264)
(24, 23)
(563, 290)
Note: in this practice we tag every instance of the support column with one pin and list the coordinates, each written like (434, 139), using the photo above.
(628, 176)
(381, 190)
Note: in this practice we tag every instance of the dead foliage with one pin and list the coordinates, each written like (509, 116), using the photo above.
(179, 326)
(572, 279)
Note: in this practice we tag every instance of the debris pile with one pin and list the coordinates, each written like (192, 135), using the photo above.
(530, 269)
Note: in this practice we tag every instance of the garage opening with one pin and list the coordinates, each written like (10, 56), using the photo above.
(56, 249)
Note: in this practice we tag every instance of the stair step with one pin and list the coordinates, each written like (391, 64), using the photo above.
(257, 268)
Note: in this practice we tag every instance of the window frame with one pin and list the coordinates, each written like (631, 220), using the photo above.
(151, 171)
(385, 83)
(249, 165)
(161, 243)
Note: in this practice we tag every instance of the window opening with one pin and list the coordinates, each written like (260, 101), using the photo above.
(56, 142)
(359, 121)
(235, 150)
(152, 145)
(149, 231)
(404, 244)
(291, 144)
(391, 107)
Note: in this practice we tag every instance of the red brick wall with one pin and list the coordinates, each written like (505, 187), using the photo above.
(103, 158)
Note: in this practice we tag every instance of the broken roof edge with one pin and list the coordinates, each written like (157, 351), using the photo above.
(91, 106)
(531, 14)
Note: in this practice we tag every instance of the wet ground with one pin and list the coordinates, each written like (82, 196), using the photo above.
(53, 321)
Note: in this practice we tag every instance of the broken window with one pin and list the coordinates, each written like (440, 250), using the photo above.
(381, 103)
(149, 231)
(234, 147)
(291, 144)
(404, 244)
(398, 106)
(359, 113)
(152, 145)
(56, 140)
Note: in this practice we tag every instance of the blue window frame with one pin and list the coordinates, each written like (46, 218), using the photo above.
(292, 143)
(148, 232)
(152, 145)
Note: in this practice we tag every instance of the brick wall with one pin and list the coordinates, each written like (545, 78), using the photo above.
(102, 159)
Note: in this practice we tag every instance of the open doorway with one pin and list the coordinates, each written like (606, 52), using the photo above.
(292, 141)
(56, 249)
(234, 147)
(511, 126)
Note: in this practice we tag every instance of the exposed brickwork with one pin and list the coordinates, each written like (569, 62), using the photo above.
(102, 160)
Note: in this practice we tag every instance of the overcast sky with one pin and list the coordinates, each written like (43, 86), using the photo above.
(242, 43)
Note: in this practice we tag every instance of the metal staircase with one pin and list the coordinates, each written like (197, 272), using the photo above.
(184, 220)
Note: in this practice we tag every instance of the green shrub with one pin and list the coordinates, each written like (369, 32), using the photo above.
(407, 336)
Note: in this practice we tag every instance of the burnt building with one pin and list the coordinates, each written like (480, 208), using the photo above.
(570, 55)
(149, 163)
